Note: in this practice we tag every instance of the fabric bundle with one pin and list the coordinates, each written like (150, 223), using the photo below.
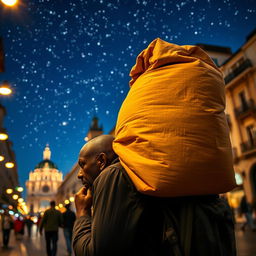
(172, 135)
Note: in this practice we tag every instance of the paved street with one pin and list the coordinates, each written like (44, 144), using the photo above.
(35, 246)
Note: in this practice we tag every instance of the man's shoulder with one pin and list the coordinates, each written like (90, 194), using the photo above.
(113, 169)
(113, 174)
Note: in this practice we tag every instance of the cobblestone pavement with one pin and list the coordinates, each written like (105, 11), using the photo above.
(35, 246)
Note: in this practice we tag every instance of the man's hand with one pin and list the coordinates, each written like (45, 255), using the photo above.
(83, 202)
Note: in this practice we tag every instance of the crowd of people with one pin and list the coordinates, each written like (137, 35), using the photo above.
(51, 221)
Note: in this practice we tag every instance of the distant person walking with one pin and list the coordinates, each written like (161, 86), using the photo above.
(7, 225)
(51, 222)
(19, 228)
(29, 223)
(69, 218)
(246, 210)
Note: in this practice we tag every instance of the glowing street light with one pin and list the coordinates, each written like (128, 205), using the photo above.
(9, 2)
(20, 200)
(5, 90)
(9, 190)
(9, 165)
(19, 189)
(3, 136)
(1, 158)
(71, 199)
(15, 197)
(66, 201)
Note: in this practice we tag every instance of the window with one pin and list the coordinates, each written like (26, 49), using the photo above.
(45, 188)
(251, 133)
(243, 100)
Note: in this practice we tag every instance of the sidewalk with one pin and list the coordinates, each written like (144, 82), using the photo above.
(34, 246)
(245, 242)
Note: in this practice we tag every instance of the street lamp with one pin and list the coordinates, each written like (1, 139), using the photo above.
(9, 190)
(19, 189)
(3, 135)
(9, 165)
(9, 2)
(15, 197)
(1, 158)
(5, 88)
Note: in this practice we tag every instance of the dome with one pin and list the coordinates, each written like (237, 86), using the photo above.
(46, 162)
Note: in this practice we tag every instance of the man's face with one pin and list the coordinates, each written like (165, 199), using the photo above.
(89, 168)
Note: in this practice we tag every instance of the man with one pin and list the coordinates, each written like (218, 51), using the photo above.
(7, 225)
(51, 222)
(125, 222)
(69, 218)
(246, 210)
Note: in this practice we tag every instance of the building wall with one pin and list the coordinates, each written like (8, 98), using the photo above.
(243, 81)
(8, 176)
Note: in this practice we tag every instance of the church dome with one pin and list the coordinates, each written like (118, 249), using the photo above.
(46, 163)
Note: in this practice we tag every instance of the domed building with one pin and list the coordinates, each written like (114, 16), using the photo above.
(43, 183)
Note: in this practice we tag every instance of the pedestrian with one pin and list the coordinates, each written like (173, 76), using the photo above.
(69, 218)
(246, 211)
(39, 218)
(125, 222)
(19, 228)
(29, 223)
(7, 225)
(51, 222)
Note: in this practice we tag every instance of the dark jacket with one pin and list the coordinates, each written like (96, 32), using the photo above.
(69, 218)
(125, 222)
(51, 220)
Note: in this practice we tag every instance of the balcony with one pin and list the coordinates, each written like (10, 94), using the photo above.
(248, 146)
(243, 66)
(248, 108)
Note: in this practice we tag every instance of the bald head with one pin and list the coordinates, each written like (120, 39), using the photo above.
(102, 143)
(94, 157)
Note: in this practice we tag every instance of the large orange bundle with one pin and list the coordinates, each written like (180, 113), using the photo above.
(171, 134)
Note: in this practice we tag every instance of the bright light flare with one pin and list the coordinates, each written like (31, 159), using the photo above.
(9, 190)
(9, 2)
(3, 136)
(9, 165)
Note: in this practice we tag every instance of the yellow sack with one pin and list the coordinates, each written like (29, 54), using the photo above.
(171, 134)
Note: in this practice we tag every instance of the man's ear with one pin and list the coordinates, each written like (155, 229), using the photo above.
(102, 160)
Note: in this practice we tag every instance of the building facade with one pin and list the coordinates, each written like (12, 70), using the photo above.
(239, 70)
(43, 183)
(240, 77)
(8, 169)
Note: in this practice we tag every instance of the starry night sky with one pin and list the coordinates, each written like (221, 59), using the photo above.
(70, 60)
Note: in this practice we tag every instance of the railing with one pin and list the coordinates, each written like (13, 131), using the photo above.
(243, 66)
(248, 145)
(245, 108)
